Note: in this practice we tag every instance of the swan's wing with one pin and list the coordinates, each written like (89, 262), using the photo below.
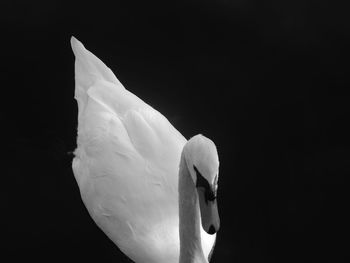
(126, 164)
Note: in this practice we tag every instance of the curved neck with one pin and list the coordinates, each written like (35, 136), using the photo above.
(189, 218)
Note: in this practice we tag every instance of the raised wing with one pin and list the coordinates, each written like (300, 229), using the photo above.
(126, 163)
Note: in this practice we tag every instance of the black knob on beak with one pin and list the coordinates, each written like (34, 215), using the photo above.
(211, 230)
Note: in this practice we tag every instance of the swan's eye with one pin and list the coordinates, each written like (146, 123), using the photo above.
(209, 194)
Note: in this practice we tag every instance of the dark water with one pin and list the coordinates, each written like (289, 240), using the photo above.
(266, 81)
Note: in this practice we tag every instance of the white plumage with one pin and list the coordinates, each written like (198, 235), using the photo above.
(126, 165)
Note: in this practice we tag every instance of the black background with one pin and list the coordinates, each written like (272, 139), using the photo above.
(266, 80)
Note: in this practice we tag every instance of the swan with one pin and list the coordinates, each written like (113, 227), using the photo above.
(152, 192)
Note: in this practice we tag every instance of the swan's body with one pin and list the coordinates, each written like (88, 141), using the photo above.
(127, 164)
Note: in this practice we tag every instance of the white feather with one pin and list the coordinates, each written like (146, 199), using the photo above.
(126, 165)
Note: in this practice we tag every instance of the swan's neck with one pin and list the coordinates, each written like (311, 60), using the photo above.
(189, 218)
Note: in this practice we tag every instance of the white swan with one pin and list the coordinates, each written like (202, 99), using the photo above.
(127, 167)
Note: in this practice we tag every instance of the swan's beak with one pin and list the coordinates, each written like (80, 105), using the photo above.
(209, 210)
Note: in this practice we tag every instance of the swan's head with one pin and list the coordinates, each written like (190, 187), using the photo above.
(203, 164)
